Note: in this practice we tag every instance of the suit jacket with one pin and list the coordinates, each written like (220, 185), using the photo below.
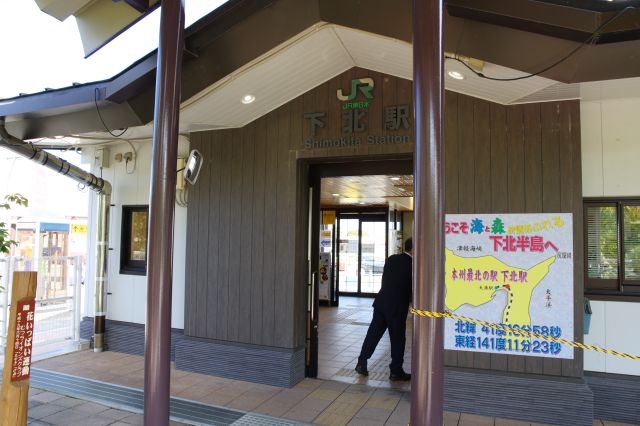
(394, 296)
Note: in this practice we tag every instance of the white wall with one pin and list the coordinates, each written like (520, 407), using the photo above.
(611, 167)
(613, 326)
(128, 299)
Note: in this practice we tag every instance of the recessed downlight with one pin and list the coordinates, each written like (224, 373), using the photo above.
(395, 178)
(455, 74)
(247, 99)
(362, 203)
(336, 195)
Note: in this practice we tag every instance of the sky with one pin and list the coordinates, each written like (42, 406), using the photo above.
(41, 52)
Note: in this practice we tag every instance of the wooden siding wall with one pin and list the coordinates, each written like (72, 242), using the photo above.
(247, 216)
(514, 159)
(239, 275)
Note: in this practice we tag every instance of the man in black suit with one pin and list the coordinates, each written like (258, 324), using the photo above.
(390, 310)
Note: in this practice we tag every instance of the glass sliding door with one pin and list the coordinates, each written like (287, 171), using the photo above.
(348, 255)
(373, 243)
(362, 251)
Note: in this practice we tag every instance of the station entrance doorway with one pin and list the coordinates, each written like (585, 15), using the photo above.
(362, 239)
(359, 214)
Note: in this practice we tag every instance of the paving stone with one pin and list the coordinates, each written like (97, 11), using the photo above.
(33, 403)
(386, 403)
(134, 419)
(95, 420)
(44, 410)
(90, 407)
(66, 417)
(68, 402)
(37, 423)
(303, 415)
(46, 397)
(115, 414)
(450, 418)
(365, 422)
(474, 420)
(510, 422)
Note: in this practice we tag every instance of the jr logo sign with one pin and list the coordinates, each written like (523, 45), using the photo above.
(365, 85)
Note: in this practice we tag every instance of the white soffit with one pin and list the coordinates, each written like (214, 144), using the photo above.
(378, 53)
(503, 92)
(274, 79)
(319, 54)
(325, 51)
(555, 92)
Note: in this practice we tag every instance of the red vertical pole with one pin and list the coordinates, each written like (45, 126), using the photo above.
(157, 357)
(427, 360)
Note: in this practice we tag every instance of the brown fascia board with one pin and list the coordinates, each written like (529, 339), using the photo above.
(526, 11)
(72, 121)
(547, 18)
(529, 52)
(51, 99)
(63, 112)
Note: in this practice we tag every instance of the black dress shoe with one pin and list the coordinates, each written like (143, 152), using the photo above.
(400, 377)
(362, 370)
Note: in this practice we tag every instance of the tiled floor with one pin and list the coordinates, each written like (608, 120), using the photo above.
(48, 408)
(328, 405)
(341, 331)
(342, 398)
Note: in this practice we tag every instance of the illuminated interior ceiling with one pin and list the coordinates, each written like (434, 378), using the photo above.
(394, 191)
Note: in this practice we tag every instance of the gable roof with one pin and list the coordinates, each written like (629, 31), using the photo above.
(520, 35)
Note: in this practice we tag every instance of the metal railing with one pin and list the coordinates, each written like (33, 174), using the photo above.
(58, 295)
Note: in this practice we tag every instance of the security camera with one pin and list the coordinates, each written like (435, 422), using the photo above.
(192, 169)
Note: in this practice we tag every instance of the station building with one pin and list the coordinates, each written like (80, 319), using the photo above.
(303, 115)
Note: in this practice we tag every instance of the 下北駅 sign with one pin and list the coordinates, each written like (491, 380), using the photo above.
(353, 123)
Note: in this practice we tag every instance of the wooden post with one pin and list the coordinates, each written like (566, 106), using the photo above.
(427, 356)
(15, 381)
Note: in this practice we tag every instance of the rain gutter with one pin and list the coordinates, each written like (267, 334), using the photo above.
(103, 188)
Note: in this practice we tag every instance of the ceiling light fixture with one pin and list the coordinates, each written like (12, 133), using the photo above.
(362, 203)
(395, 178)
(336, 195)
(247, 99)
(455, 74)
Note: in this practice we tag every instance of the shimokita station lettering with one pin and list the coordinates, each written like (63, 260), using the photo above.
(353, 124)
(351, 141)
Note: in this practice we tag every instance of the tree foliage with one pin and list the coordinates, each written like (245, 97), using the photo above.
(9, 201)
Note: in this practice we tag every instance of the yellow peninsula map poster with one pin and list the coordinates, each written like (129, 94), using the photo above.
(512, 269)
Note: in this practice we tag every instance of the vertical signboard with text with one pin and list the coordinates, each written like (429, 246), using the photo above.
(23, 343)
(511, 269)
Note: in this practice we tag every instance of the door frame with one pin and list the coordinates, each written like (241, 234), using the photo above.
(363, 215)
(318, 168)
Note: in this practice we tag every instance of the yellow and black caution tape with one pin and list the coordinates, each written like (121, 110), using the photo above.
(520, 332)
